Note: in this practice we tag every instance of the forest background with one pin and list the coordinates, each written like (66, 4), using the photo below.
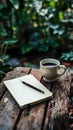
(35, 27)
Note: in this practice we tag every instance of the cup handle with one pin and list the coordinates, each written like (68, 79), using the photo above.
(61, 70)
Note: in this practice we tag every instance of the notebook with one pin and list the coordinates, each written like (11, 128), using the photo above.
(25, 95)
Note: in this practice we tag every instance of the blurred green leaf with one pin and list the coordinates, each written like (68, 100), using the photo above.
(26, 48)
(1, 6)
(67, 56)
(15, 3)
(43, 48)
(5, 57)
(52, 3)
(3, 33)
(1, 60)
(60, 15)
(10, 41)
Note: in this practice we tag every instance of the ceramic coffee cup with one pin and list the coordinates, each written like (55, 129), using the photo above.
(51, 69)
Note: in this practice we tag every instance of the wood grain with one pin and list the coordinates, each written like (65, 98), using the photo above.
(58, 119)
(10, 113)
(49, 115)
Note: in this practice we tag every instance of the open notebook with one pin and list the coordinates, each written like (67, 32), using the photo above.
(25, 95)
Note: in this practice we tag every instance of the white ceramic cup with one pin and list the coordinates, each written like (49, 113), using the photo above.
(51, 69)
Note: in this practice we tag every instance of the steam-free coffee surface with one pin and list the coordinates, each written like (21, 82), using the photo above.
(49, 64)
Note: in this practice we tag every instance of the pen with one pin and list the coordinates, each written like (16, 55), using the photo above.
(33, 87)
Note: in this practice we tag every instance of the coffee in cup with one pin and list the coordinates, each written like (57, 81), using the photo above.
(51, 69)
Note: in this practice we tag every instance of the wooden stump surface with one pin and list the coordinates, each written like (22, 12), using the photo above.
(49, 115)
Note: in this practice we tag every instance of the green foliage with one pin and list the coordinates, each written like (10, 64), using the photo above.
(4, 57)
(67, 56)
(10, 41)
(1, 72)
(33, 24)
(36, 24)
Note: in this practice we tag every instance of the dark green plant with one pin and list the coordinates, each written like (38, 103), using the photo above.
(44, 25)
(1, 71)
(33, 24)
(67, 56)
